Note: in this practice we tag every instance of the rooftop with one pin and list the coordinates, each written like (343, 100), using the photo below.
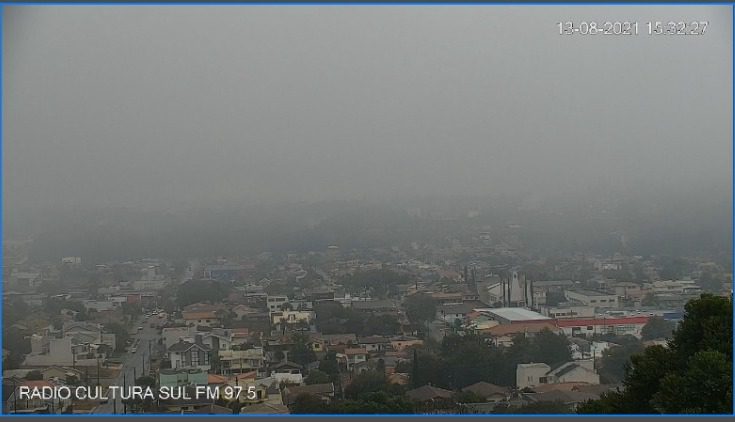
(428, 392)
(514, 314)
(602, 321)
(590, 292)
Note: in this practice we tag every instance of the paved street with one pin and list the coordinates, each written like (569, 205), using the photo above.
(133, 363)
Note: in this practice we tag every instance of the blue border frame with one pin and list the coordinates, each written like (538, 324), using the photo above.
(355, 3)
(358, 3)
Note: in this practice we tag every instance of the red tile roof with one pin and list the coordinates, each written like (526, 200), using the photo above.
(602, 321)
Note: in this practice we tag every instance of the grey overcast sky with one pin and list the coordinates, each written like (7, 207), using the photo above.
(156, 107)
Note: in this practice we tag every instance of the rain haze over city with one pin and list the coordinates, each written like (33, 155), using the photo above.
(368, 209)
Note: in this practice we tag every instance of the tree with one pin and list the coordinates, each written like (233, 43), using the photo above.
(702, 388)
(692, 375)
(121, 335)
(146, 381)
(93, 285)
(132, 309)
(648, 300)
(14, 309)
(383, 325)
(379, 283)
(309, 403)
(615, 359)
(368, 382)
(317, 377)
(468, 397)
(333, 318)
(672, 269)
(428, 368)
(194, 291)
(329, 366)
(656, 328)
(420, 308)
(550, 348)
(379, 402)
(145, 404)
(301, 353)
(707, 325)
(711, 282)
(34, 375)
(539, 408)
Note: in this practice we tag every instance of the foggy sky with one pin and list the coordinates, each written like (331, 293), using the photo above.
(157, 107)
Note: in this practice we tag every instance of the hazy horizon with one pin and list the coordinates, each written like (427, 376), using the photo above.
(171, 109)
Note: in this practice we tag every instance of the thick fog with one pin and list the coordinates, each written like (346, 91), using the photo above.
(163, 108)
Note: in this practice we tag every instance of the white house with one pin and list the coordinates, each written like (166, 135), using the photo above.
(185, 354)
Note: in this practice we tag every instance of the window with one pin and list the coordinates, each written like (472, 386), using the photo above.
(195, 358)
(543, 380)
(590, 328)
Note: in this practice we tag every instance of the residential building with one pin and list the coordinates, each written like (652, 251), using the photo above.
(589, 327)
(353, 356)
(513, 315)
(489, 392)
(200, 318)
(567, 310)
(593, 298)
(503, 334)
(275, 303)
(182, 376)
(401, 343)
(374, 344)
(291, 317)
(676, 287)
(172, 335)
(534, 374)
(224, 272)
(325, 392)
(186, 354)
(449, 313)
(239, 361)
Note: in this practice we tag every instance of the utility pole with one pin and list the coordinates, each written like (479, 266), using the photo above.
(125, 406)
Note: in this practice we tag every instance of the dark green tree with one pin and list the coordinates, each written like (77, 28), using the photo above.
(548, 347)
(420, 308)
(616, 359)
(384, 325)
(368, 382)
(702, 388)
(692, 375)
(656, 328)
(301, 353)
(309, 404)
(317, 377)
(34, 375)
(194, 291)
(330, 366)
